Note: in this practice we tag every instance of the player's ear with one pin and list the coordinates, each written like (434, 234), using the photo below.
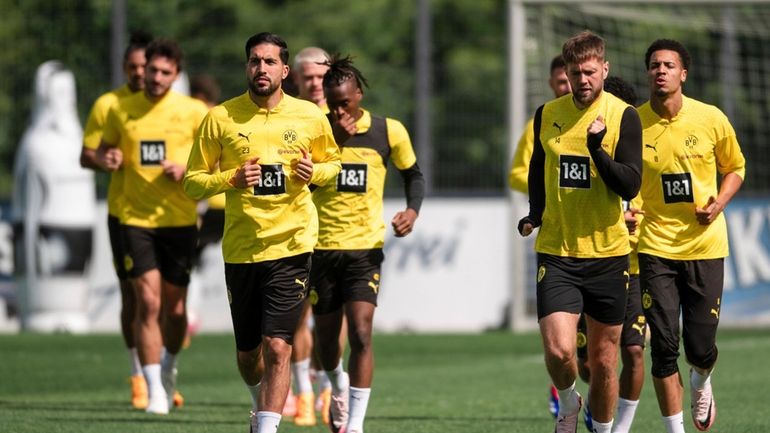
(606, 70)
(285, 72)
(684, 75)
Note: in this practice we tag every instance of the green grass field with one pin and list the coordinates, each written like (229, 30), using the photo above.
(493, 382)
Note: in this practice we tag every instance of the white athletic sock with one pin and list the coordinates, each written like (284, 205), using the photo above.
(601, 427)
(625, 416)
(568, 400)
(136, 365)
(254, 392)
(674, 423)
(699, 381)
(154, 384)
(359, 399)
(167, 361)
(323, 381)
(338, 378)
(301, 370)
(268, 422)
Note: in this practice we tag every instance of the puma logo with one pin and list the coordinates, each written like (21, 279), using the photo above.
(655, 148)
(374, 287)
(715, 312)
(639, 328)
(246, 136)
(557, 126)
(300, 282)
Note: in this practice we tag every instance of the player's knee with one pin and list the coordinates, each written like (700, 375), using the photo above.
(664, 366)
(278, 350)
(632, 356)
(701, 355)
(360, 336)
(148, 307)
(558, 355)
(248, 358)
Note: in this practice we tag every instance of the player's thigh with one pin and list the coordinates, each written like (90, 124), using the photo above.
(325, 293)
(604, 289)
(140, 252)
(176, 250)
(116, 245)
(558, 286)
(244, 296)
(361, 280)
(285, 289)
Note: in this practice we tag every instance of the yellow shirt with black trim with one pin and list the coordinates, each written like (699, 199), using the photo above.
(350, 209)
(149, 132)
(92, 137)
(276, 218)
(583, 217)
(518, 177)
(681, 159)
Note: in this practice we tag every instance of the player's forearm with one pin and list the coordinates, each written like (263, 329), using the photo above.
(622, 174)
(88, 159)
(324, 172)
(201, 184)
(731, 184)
(414, 187)
(536, 176)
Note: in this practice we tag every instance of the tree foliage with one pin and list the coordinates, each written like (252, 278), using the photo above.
(469, 55)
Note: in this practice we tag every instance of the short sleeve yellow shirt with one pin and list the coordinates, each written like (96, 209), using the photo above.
(149, 133)
(350, 209)
(92, 136)
(681, 160)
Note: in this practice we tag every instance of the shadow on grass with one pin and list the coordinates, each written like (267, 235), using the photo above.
(450, 419)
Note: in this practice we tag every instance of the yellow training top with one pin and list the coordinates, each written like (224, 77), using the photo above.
(350, 209)
(92, 136)
(276, 218)
(681, 158)
(519, 176)
(583, 217)
(148, 133)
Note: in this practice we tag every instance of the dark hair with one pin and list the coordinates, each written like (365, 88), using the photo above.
(207, 86)
(621, 88)
(138, 41)
(582, 47)
(268, 38)
(340, 70)
(668, 44)
(165, 48)
(558, 62)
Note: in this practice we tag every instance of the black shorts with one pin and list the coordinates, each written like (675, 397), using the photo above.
(340, 276)
(266, 298)
(634, 327)
(594, 286)
(692, 288)
(116, 243)
(168, 249)
(212, 228)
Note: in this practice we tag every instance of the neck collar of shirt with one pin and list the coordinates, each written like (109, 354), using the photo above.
(162, 100)
(277, 109)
